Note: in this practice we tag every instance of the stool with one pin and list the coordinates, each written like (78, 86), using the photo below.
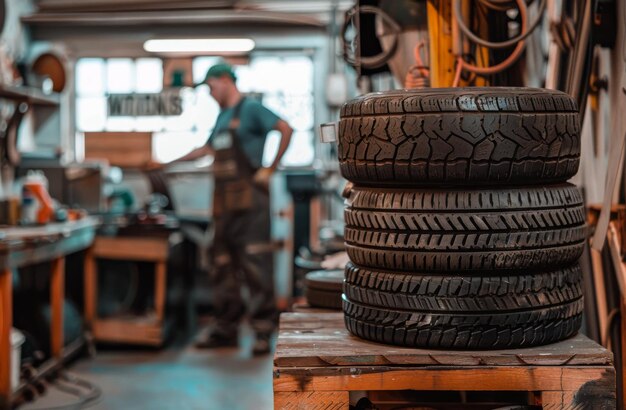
(317, 363)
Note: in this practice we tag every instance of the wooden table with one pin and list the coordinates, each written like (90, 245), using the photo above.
(26, 246)
(317, 363)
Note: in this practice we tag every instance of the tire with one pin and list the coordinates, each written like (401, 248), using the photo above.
(460, 136)
(489, 330)
(465, 230)
(323, 299)
(449, 293)
(323, 288)
(329, 280)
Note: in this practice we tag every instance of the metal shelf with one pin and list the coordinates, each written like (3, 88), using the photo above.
(30, 95)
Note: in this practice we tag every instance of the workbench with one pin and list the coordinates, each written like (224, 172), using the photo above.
(318, 363)
(25, 246)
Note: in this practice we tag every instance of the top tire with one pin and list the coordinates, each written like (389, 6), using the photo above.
(459, 136)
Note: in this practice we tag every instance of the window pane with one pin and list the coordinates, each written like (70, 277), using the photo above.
(200, 66)
(187, 119)
(120, 124)
(90, 77)
(265, 74)
(297, 75)
(300, 152)
(91, 113)
(171, 145)
(149, 123)
(149, 75)
(120, 75)
(204, 110)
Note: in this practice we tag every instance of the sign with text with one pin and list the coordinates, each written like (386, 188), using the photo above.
(166, 103)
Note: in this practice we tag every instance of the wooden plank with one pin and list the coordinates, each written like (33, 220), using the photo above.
(144, 331)
(57, 297)
(335, 400)
(614, 248)
(160, 285)
(31, 95)
(317, 340)
(600, 291)
(614, 243)
(90, 275)
(587, 397)
(123, 149)
(304, 307)
(470, 378)
(622, 370)
(6, 322)
(131, 248)
(440, 34)
(558, 400)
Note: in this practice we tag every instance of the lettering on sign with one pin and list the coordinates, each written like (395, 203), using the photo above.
(166, 103)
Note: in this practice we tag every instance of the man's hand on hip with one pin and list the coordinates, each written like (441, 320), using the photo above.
(262, 178)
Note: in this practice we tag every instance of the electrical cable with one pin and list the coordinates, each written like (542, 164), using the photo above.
(493, 6)
(84, 400)
(509, 61)
(418, 75)
(610, 321)
(458, 15)
(373, 61)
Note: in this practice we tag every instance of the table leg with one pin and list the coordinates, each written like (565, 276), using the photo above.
(57, 297)
(90, 288)
(6, 322)
(160, 289)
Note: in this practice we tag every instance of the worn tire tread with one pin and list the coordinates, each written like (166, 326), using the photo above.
(460, 136)
(452, 293)
(488, 330)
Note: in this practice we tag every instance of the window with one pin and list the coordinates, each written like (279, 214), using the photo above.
(286, 84)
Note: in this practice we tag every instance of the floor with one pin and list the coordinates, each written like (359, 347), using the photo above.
(177, 377)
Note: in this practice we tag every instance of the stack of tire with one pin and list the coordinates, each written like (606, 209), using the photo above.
(461, 229)
(322, 288)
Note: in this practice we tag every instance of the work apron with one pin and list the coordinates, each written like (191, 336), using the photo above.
(233, 172)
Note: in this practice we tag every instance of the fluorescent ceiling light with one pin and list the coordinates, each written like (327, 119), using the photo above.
(214, 45)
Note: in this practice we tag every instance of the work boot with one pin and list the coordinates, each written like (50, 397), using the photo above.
(262, 345)
(212, 340)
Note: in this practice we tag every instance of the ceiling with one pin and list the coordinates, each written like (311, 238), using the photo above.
(303, 12)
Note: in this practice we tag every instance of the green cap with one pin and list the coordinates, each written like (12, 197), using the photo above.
(217, 71)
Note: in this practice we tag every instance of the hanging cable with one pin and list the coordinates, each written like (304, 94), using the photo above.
(509, 61)
(369, 61)
(418, 75)
(458, 15)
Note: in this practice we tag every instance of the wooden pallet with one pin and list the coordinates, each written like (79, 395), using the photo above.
(317, 363)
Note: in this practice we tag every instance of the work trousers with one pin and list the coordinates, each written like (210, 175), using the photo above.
(242, 255)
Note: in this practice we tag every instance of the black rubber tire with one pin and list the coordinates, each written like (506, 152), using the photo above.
(465, 230)
(489, 330)
(323, 298)
(330, 280)
(449, 293)
(463, 136)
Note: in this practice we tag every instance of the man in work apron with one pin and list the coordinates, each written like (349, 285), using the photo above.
(242, 251)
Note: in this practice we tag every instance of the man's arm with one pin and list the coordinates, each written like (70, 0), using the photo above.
(263, 175)
(191, 156)
(195, 154)
(285, 138)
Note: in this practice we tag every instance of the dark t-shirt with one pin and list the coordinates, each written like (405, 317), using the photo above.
(255, 121)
